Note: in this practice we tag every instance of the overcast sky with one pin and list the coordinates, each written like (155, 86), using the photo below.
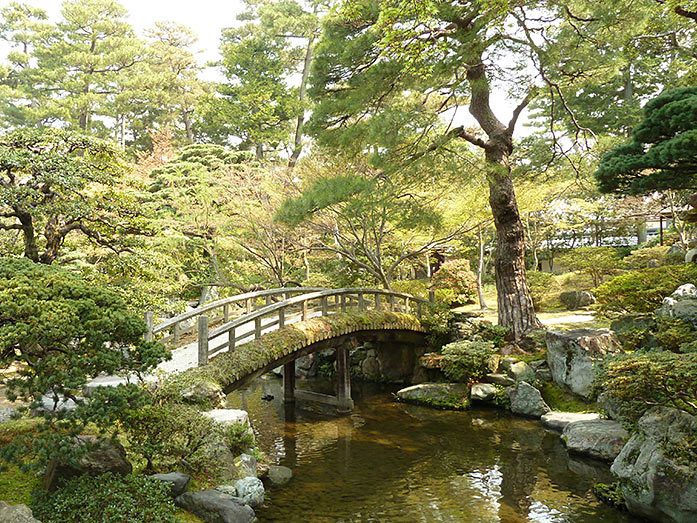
(205, 17)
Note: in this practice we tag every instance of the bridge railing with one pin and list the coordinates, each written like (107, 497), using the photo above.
(299, 308)
(173, 329)
(253, 323)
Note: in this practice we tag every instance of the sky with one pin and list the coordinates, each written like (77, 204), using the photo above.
(205, 17)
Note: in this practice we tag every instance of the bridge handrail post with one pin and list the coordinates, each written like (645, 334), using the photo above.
(432, 296)
(377, 301)
(304, 313)
(175, 334)
(226, 313)
(257, 327)
(342, 299)
(202, 340)
(392, 304)
(361, 302)
(281, 318)
(149, 324)
(325, 305)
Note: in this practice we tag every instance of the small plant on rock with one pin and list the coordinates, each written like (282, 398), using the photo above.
(469, 360)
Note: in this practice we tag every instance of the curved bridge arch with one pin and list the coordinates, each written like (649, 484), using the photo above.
(283, 331)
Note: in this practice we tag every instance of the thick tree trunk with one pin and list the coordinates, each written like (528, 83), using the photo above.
(298, 143)
(515, 308)
(31, 249)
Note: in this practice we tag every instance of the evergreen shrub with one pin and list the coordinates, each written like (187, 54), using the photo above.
(469, 360)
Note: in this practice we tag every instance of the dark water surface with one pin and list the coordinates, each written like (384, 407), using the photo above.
(388, 461)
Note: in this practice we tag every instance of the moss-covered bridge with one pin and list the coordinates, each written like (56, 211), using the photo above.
(241, 337)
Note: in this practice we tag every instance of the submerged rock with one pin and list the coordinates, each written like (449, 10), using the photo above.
(215, 507)
(527, 400)
(598, 438)
(573, 355)
(657, 468)
(559, 420)
(279, 476)
(452, 395)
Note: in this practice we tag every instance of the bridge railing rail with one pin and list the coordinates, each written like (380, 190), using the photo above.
(172, 329)
(254, 322)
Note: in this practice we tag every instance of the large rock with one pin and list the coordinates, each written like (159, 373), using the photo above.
(231, 417)
(577, 299)
(213, 506)
(572, 356)
(598, 438)
(483, 392)
(454, 395)
(559, 420)
(682, 305)
(306, 366)
(499, 379)
(657, 468)
(527, 400)
(106, 456)
(6, 414)
(246, 466)
(250, 491)
(178, 482)
(16, 513)
(521, 371)
(608, 406)
(279, 476)
(204, 393)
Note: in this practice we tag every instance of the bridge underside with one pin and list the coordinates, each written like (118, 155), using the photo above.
(342, 331)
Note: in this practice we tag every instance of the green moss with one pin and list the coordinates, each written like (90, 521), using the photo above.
(610, 494)
(16, 486)
(183, 515)
(452, 403)
(562, 400)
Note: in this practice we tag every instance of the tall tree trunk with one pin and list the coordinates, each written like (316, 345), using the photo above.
(515, 308)
(298, 143)
(480, 270)
(31, 249)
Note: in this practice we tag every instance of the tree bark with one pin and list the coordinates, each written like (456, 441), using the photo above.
(515, 308)
(298, 144)
(480, 271)
(186, 117)
(31, 249)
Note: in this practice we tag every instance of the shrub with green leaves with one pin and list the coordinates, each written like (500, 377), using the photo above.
(457, 277)
(469, 360)
(238, 438)
(171, 436)
(640, 381)
(643, 290)
(596, 262)
(61, 331)
(541, 284)
(643, 258)
(108, 498)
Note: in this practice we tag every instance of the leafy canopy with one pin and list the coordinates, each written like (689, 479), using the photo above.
(60, 332)
(663, 151)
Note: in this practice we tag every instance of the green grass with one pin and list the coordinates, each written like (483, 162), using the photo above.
(562, 400)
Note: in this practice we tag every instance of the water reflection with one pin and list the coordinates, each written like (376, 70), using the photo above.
(394, 462)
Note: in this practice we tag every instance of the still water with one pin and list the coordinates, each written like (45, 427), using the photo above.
(389, 461)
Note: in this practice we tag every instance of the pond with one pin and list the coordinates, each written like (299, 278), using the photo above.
(389, 461)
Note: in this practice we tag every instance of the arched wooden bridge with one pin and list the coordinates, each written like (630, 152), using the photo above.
(230, 332)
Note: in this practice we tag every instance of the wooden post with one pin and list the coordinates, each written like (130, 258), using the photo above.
(432, 296)
(149, 324)
(377, 302)
(391, 298)
(226, 313)
(202, 340)
(268, 299)
(418, 309)
(175, 334)
(342, 298)
(289, 382)
(406, 305)
(248, 303)
(257, 328)
(281, 318)
(343, 376)
(231, 340)
(304, 317)
(361, 302)
(325, 305)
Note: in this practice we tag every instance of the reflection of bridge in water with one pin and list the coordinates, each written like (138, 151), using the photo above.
(245, 332)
